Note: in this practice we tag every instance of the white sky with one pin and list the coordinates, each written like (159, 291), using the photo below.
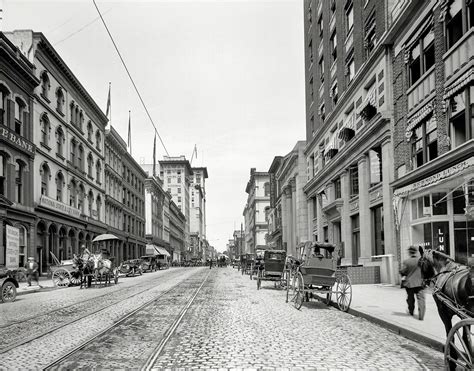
(227, 76)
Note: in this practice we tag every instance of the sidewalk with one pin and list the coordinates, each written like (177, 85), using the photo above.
(386, 306)
(45, 282)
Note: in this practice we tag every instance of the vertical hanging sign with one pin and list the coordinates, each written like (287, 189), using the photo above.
(13, 248)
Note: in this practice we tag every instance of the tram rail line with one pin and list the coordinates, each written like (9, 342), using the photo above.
(25, 340)
(57, 364)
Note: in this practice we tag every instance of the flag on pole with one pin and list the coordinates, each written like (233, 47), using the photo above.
(154, 156)
(108, 103)
(129, 141)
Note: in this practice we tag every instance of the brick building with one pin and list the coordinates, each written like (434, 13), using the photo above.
(17, 153)
(348, 139)
(433, 74)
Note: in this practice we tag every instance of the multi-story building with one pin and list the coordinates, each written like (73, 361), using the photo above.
(197, 219)
(133, 193)
(177, 233)
(433, 74)
(176, 173)
(349, 147)
(124, 199)
(68, 188)
(288, 213)
(17, 153)
(239, 243)
(258, 199)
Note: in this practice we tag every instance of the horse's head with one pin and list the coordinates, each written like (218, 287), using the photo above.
(431, 262)
(77, 262)
(97, 261)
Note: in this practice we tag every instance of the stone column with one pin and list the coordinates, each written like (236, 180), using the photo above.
(284, 219)
(289, 218)
(319, 212)
(2, 247)
(309, 202)
(294, 215)
(346, 225)
(364, 212)
(388, 217)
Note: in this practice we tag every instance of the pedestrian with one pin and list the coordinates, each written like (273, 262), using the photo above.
(210, 263)
(32, 271)
(413, 283)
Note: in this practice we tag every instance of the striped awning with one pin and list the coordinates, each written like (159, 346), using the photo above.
(347, 129)
(464, 80)
(418, 117)
(332, 148)
(369, 99)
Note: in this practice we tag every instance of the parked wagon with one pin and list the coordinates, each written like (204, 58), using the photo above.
(64, 272)
(272, 268)
(131, 267)
(315, 274)
(248, 265)
(148, 263)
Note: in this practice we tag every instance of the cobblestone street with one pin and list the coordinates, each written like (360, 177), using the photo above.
(194, 318)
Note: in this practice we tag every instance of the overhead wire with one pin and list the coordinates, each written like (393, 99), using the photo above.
(130, 77)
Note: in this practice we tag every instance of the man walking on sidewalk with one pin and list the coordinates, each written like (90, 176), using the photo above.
(32, 271)
(413, 283)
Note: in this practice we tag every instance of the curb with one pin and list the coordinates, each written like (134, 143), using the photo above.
(408, 334)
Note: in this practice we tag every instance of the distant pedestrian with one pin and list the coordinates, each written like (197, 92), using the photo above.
(32, 271)
(210, 263)
(413, 283)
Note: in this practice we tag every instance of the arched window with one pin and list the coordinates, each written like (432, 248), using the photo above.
(19, 180)
(3, 173)
(81, 120)
(44, 172)
(44, 122)
(90, 200)
(98, 140)
(80, 200)
(73, 152)
(20, 107)
(4, 93)
(60, 100)
(60, 142)
(98, 170)
(99, 206)
(45, 85)
(90, 131)
(73, 194)
(80, 157)
(90, 162)
(59, 187)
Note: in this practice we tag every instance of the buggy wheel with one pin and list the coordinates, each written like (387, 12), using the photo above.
(61, 277)
(299, 290)
(8, 292)
(459, 350)
(343, 292)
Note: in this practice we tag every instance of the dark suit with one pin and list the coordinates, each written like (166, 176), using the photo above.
(32, 271)
(414, 286)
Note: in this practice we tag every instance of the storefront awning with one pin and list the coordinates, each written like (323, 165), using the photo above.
(156, 250)
(417, 118)
(463, 80)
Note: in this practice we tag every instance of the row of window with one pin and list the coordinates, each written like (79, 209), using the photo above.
(20, 167)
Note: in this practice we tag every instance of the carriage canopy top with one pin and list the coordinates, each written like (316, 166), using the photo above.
(318, 245)
(105, 237)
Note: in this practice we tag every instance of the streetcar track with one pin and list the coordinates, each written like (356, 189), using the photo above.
(36, 316)
(57, 363)
(55, 328)
(157, 351)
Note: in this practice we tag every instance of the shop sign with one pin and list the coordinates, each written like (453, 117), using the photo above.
(53, 204)
(436, 178)
(13, 247)
(11, 137)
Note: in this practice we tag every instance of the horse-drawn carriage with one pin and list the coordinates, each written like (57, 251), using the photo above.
(247, 264)
(148, 263)
(272, 268)
(315, 272)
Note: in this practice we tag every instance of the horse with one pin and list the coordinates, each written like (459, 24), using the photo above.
(84, 267)
(452, 289)
(101, 268)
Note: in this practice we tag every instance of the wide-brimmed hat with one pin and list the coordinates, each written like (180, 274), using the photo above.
(412, 249)
(31, 258)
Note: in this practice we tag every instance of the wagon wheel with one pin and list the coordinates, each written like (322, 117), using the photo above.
(259, 280)
(299, 290)
(8, 292)
(343, 292)
(61, 277)
(459, 349)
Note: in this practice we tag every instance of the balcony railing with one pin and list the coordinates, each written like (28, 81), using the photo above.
(459, 54)
(421, 89)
